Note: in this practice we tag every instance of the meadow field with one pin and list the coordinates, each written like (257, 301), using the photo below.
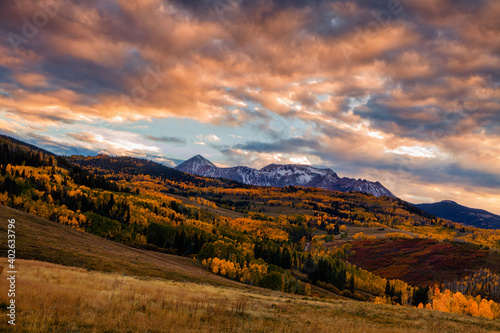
(55, 298)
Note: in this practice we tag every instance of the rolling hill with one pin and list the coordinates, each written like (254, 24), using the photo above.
(44, 240)
(451, 210)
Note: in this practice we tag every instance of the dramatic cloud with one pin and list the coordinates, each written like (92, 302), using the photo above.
(401, 91)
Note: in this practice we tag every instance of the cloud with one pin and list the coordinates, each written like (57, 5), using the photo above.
(299, 160)
(366, 88)
(166, 139)
(213, 138)
(285, 145)
(416, 151)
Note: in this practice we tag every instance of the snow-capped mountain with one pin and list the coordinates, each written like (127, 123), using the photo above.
(283, 175)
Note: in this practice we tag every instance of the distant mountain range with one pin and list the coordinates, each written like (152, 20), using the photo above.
(450, 210)
(283, 175)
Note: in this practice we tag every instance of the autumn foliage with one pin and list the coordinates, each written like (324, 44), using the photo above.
(448, 301)
(270, 237)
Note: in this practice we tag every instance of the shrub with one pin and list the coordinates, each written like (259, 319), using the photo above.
(273, 280)
(359, 296)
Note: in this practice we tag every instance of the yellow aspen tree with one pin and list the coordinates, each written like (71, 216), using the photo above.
(485, 309)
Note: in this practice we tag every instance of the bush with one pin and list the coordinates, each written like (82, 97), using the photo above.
(273, 280)
(329, 287)
(359, 297)
(397, 235)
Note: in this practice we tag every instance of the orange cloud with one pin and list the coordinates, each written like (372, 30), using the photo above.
(361, 88)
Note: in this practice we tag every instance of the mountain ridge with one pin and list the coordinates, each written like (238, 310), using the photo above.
(450, 210)
(281, 175)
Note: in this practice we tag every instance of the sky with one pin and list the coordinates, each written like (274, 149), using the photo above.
(404, 92)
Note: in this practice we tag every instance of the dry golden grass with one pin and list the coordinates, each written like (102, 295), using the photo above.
(54, 298)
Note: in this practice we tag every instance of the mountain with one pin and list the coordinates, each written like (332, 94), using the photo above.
(283, 175)
(450, 210)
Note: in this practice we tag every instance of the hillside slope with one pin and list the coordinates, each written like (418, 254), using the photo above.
(452, 211)
(41, 239)
(422, 261)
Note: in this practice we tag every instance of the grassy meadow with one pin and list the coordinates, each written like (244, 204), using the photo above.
(55, 298)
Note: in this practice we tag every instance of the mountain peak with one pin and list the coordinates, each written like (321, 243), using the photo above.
(196, 165)
(200, 158)
(449, 202)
